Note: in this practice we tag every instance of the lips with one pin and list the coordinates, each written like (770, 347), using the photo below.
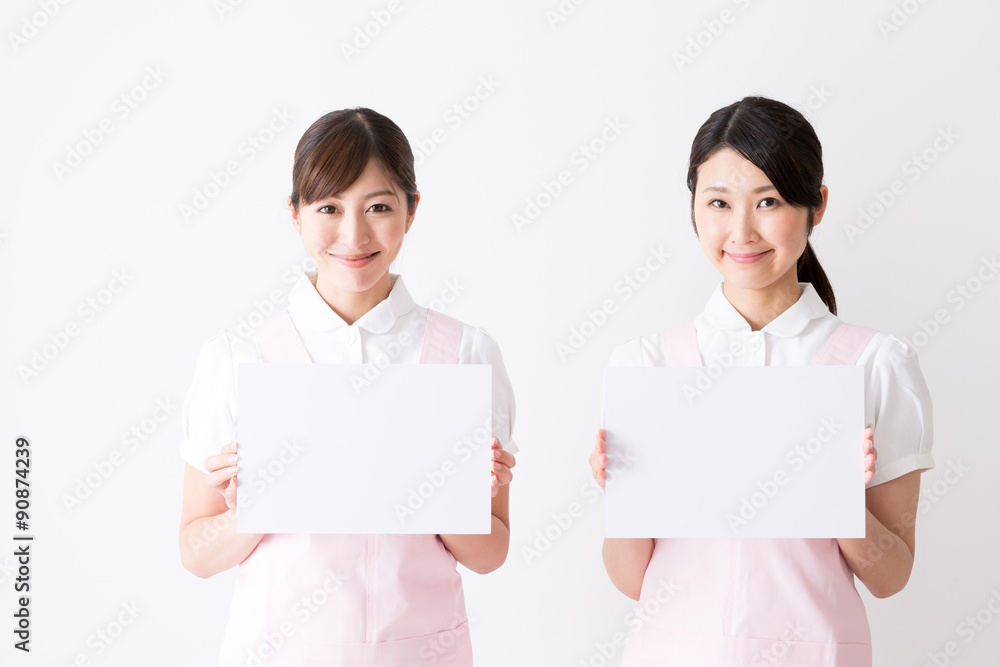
(355, 261)
(747, 257)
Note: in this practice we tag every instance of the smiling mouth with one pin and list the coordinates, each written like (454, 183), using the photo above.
(746, 258)
(355, 261)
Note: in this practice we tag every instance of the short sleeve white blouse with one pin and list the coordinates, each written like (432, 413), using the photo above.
(897, 401)
(390, 332)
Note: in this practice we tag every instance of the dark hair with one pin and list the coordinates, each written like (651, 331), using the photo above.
(336, 149)
(780, 142)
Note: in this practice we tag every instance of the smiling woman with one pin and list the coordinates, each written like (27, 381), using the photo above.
(396, 599)
(756, 182)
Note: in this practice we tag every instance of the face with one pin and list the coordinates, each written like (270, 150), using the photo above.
(354, 236)
(747, 230)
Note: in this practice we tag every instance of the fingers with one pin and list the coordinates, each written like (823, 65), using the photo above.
(870, 456)
(599, 459)
(222, 471)
(502, 456)
(220, 478)
(227, 456)
(502, 462)
(230, 494)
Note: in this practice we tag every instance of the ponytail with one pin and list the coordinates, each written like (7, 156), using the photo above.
(810, 271)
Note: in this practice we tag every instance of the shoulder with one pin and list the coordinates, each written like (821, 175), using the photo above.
(889, 355)
(227, 348)
(640, 350)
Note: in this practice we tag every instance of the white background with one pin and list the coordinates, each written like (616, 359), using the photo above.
(876, 100)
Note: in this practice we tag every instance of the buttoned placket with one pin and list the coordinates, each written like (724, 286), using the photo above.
(350, 339)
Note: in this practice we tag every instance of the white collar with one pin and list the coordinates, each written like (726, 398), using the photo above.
(720, 314)
(313, 312)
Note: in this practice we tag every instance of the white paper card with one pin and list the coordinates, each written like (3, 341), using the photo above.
(744, 451)
(322, 451)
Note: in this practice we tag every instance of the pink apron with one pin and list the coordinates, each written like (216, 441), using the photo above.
(349, 600)
(750, 602)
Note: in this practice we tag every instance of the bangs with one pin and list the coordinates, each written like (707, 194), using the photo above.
(327, 166)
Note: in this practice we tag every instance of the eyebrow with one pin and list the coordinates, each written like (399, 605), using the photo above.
(377, 193)
(721, 188)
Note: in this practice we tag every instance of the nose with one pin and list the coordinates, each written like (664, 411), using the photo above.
(352, 232)
(744, 228)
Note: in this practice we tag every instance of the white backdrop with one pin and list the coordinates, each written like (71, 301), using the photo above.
(147, 152)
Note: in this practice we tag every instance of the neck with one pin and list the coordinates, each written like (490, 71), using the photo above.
(350, 306)
(759, 306)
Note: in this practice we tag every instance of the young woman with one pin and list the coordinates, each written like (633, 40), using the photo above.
(756, 182)
(388, 600)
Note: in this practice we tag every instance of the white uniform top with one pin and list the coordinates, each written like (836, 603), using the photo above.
(391, 332)
(897, 402)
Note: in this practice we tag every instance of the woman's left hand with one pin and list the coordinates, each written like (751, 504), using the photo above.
(870, 456)
(502, 462)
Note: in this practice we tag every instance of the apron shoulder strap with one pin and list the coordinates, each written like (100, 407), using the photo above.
(844, 346)
(280, 341)
(442, 338)
(680, 346)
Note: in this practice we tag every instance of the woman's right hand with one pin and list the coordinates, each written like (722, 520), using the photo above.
(599, 459)
(222, 468)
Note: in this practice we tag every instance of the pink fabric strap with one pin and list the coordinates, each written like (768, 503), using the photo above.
(844, 346)
(280, 341)
(680, 346)
(442, 337)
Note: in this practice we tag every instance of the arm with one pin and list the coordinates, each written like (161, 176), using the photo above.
(625, 559)
(883, 558)
(209, 543)
(485, 553)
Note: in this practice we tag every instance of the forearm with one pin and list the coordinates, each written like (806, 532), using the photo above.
(210, 544)
(480, 553)
(626, 560)
(881, 560)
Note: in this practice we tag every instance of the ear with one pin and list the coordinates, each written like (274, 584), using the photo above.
(821, 209)
(412, 212)
(295, 217)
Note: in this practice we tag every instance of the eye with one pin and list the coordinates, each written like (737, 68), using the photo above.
(327, 209)
(379, 208)
(717, 203)
(768, 202)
